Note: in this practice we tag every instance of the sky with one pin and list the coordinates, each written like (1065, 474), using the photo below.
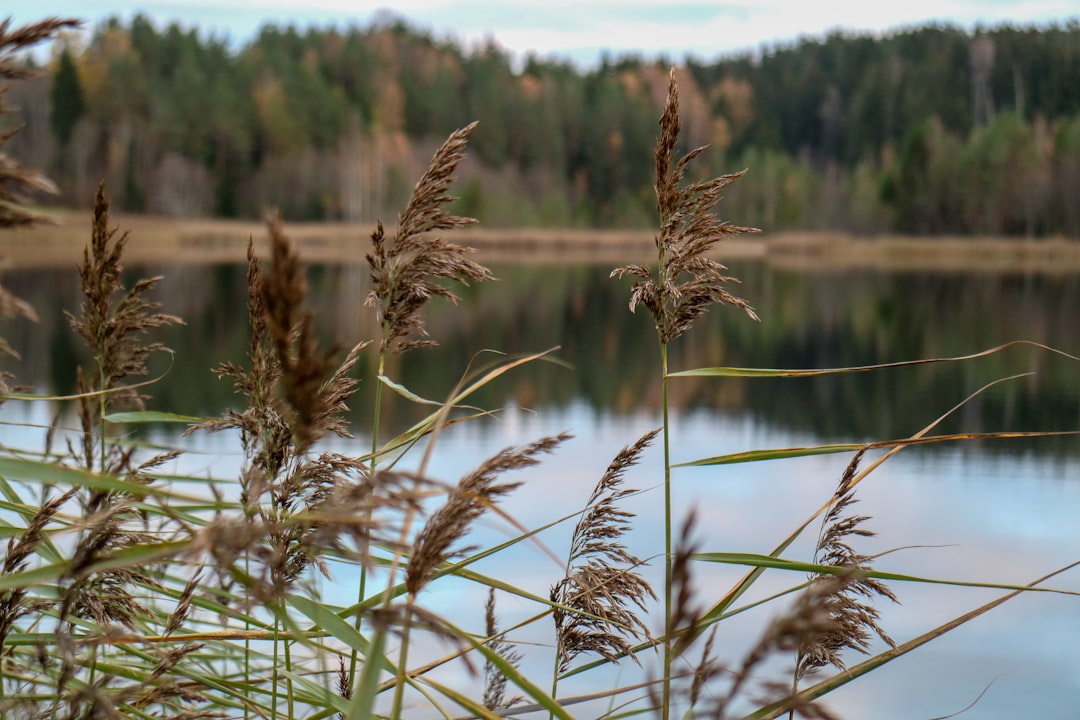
(576, 30)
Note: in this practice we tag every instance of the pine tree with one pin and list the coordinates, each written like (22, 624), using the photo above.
(68, 105)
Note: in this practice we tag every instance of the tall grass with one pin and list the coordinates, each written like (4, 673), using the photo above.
(129, 591)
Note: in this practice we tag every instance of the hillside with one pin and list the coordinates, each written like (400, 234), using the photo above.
(929, 130)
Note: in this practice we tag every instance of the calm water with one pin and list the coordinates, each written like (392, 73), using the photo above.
(999, 511)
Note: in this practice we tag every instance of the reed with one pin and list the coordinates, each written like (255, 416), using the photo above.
(128, 590)
(684, 284)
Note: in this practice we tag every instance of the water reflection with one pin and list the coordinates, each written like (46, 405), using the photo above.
(808, 320)
(999, 511)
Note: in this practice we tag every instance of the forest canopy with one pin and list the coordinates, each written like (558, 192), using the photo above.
(928, 130)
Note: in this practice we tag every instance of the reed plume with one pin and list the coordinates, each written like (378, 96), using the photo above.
(474, 494)
(406, 270)
(14, 603)
(495, 679)
(295, 394)
(18, 183)
(854, 617)
(113, 322)
(686, 283)
(595, 606)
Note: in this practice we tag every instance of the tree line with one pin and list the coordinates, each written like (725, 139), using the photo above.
(927, 130)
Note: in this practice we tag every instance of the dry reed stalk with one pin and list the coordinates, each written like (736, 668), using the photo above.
(295, 394)
(594, 604)
(474, 494)
(112, 321)
(13, 603)
(18, 183)
(494, 679)
(686, 282)
(405, 271)
(855, 619)
(683, 286)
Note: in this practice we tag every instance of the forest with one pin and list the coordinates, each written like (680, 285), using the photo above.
(929, 130)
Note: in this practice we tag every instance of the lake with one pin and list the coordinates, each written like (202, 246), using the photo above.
(1000, 511)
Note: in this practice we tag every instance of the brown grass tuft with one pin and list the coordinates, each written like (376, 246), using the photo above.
(595, 602)
(686, 283)
(854, 618)
(474, 493)
(17, 182)
(113, 322)
(405, 271)
(494, 679)
(314, 391)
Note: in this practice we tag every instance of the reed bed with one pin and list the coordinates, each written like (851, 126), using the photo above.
(129, 592)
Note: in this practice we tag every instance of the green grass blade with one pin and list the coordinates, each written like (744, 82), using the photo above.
(815, 372)
(845, 676)
(772, 454)
(362, 706)
(329, 621)
(46, 473)
(125, 557)
(777, 563)
(788, 453)
(135, 417)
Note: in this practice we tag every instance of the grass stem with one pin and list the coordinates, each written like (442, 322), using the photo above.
(668, 629)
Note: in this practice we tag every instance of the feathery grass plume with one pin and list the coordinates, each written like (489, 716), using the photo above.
(314, 400)
(473, 494)
(295, 395)
(855, 619)
(107, 596)
(686, 282)
(405, 274)
(113, 327)
(264, 432)
(494, 678)
(17, 181)
(595, 602)
(13, 602)
(113, 323)
(405, 271)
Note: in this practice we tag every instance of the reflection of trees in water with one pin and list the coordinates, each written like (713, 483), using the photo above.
(809, 320)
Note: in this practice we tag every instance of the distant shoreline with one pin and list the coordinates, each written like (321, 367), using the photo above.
(158, 240)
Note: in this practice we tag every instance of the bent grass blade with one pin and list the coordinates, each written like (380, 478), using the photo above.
(856, 671)
(815, 372)
(748, 580)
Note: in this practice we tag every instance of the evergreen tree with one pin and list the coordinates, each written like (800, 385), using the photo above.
(68, 106)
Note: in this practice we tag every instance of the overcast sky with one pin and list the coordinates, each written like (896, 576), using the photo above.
(577, 29)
